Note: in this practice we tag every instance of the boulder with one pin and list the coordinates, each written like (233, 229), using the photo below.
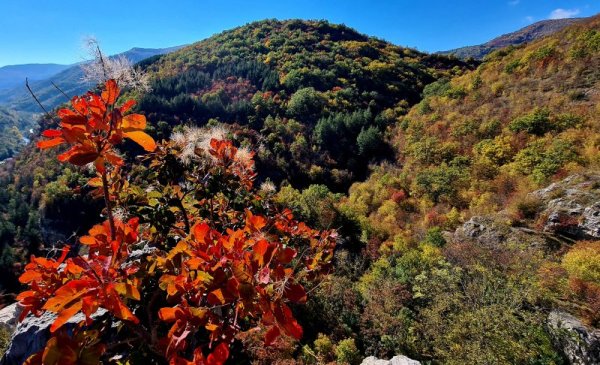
(579, 343)
(396, 360)
(9, 316)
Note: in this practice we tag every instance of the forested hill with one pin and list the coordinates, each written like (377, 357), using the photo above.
(320, 95)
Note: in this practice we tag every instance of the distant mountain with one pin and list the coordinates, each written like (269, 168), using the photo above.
(68, 79)
(13, 75)
(529, 33)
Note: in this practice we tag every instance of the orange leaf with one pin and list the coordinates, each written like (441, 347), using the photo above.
(216, 297)
(28, 276)
(142, 139)
(133, 122)
(50, 143)
(127, 290)
(111, 93)
(168, 314)
(65, 315)
(88, 240)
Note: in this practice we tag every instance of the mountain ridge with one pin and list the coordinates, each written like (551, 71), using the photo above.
(524, 35)
(68, 79)
(12, 75)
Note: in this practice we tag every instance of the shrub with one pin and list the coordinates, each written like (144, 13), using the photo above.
(216, 258)
(435, 237)
(347, 353)
(537, 123)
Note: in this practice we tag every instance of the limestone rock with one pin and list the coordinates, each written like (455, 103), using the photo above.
(396, 360)
(9, 316)
(579, 343)
(572, 207)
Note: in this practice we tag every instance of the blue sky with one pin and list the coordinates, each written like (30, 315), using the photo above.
(40, 31)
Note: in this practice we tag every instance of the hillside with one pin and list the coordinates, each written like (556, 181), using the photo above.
(320, 95)
(457, 206)
(69, 80)
(14, 75)
(525, 35)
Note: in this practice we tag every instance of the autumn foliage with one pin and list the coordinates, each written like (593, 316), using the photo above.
(190, 262)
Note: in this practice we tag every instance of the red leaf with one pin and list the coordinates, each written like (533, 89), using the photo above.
(295, 293)
(51, 133)
(272, 335)
(219, 355)
(126, 106)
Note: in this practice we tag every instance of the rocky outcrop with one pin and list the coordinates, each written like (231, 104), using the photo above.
(572, 207)
(9, 316)
(492, 232)
(396, 360)
(579, 343)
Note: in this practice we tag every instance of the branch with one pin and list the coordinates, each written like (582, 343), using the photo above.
(111, 220)
(59, 89)
(186, 220)
(35, 97)
(102, 61)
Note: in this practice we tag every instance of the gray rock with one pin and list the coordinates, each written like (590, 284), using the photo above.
(579, 343)
(9, 316)
(492, 233)
(396, 360)
(32, 334)
(572, 207)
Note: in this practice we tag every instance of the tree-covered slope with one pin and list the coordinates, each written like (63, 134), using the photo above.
(317, 97)
(12, 131)
(317, 112)
(456, 216)
(526, 116)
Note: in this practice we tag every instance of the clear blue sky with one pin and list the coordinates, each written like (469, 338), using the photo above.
(40, 31)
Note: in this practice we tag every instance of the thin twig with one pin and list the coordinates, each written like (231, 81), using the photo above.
(35, 97)
(59, 89)
(111, 220)
(102, 61)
